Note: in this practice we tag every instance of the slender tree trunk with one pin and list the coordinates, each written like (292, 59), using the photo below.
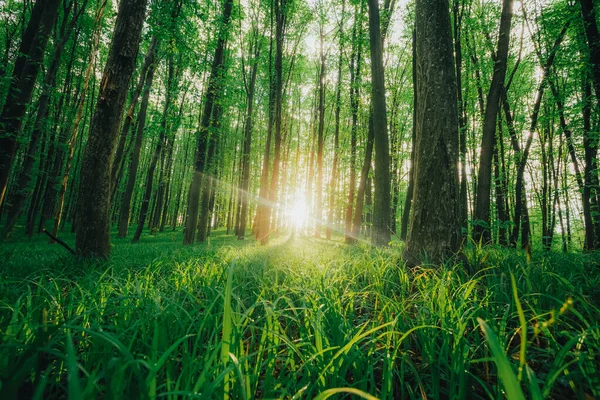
(280, 8)
(320, 141)
(481, 230)
(210, 174)
(462, 118)
(159, 153)
(355, 63)
(251, 85)
(590, 174)
(336, 135)
(411, 182)
(499, 187)
(125, 211)
(364, 173)
(381, 211)
(593, 38)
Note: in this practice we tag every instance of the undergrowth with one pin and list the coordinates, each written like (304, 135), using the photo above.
(301, 318)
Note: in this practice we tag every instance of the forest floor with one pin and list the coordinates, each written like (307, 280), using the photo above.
(299, 318)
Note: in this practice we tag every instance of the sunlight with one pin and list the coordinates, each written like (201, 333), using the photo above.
(298, 211)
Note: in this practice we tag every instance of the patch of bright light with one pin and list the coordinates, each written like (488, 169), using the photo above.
(298, 212)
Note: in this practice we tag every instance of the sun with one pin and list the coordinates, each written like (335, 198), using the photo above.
(298, 212)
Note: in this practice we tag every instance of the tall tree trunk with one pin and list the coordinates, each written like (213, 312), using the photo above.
(364, 173)
(590, 173)
(210, 177)
(336, 135)
(411, 181)
(355, 64)
(93, 235)
(481, 230)
(320, 139)
(499, 186)
(593, 40)
(381, 212)
(435, 222)
(280, 8)
(246, 152)
(458, 13)
(31, 54)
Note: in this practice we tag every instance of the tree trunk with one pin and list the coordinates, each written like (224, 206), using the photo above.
(355, 63)
(411, 182)
(320, 141)
(481, 231)
(336, 137)
(250, 88)
(593, 39)
(364, 173)
(381, 212)
(93, 235)
(435, 222)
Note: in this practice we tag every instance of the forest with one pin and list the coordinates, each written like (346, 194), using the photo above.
(246, 199)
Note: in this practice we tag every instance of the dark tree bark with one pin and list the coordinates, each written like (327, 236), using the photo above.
(31, 54)
(435, 223)
(590, 140)
(93, 235)
(593, 39)
(381, 212)
(210, 175)
(481, 230)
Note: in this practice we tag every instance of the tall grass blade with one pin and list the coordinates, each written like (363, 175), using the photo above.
(505, 371)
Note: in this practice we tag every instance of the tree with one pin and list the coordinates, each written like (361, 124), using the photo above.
(481, 215)
(25, 71)
(381, 208)
(212, 97)
(93, 235)
(435, 223)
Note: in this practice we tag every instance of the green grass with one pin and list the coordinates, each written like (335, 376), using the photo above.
(300, 318)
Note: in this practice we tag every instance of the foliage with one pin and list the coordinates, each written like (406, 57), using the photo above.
(299, 319)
